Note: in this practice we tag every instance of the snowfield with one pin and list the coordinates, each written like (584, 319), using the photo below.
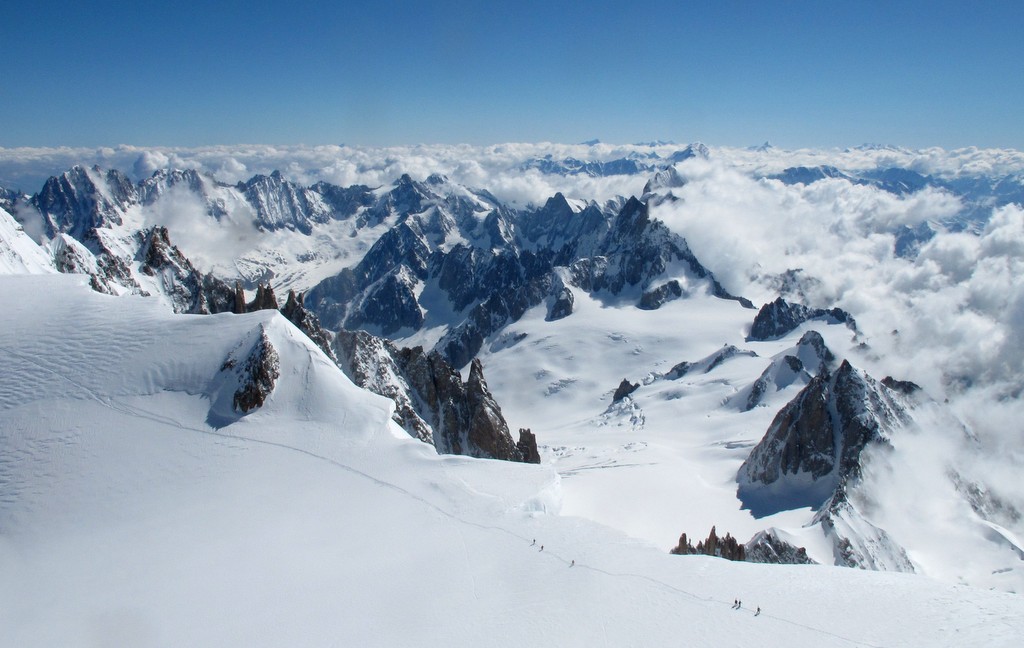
(134, 512)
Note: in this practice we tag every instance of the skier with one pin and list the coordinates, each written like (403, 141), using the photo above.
(739, 604)
(542, 547)
(735, 603)
(534, 543)
(758, 612)
(572, 564)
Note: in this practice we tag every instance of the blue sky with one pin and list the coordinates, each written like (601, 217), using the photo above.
(821, 74)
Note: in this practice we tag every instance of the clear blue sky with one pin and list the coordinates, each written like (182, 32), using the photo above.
(380, 73)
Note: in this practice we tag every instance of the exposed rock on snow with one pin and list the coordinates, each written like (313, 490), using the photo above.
(297, 313)
(767, 547)
(811, 456)
(708, 364)
(810, 357)
(527, 446)
(432, 402)
(727, 547)
(255, 367)
(814, 444)
(177, 279)
(624, 389)
(779, 317)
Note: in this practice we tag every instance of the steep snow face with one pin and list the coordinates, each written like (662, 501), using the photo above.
(127, 519)
(19, 254)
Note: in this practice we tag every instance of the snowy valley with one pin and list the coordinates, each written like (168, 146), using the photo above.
(426, 397)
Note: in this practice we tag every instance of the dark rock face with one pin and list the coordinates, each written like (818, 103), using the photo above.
(810, 357)
(432, 402)
(390, 305)
(72, 202)
(654, 299)
(768, 547)
(779, 317)
(488, 430)
(561, 306)
(374, 364)
(265, 299)
(819, 436)
(527, 445)
(708, 364)
(905, 387)
(811, 456)
(504, 263)
(189, 291)
(727, 547)
(307, 322)
(257, 374)
(624, 389)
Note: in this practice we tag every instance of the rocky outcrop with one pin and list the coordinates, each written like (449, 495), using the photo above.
(256, 371)
(856, 542)
(779, 317)
(818, 437)
(797, 366)
(297, 313)
(656, 298)
(624, 389)
(561, 305)
(811, 457)
(767, 547)
(709, 363)
(377, 365)
(188, 290)
(727, 547)
(81, 200)
(493, 266)
(433, 403)
(527, 445)
(265, 299)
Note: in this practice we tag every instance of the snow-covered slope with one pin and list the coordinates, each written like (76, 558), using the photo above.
(19, 254)
(137, 508)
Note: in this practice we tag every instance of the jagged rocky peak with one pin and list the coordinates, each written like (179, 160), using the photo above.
(795, 366)
(624, 389)
(256, 368)
(188, 289)
(280, 203)
(667, 178)
(709, 363)
(777, 318)
(295, 310)
(433, 403)
(377, 365)
(162, 180)
(696, 150)
(808, 175)
(725, 547)
(811, 457)
(767, 547)
(527, 446)
(814, 444)
(407, 196)
(80, 200)
(488, 430)
(265, 299)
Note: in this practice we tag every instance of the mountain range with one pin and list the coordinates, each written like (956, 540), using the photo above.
(441, 316)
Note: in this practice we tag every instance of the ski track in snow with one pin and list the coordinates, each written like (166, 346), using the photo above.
(548, 553)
